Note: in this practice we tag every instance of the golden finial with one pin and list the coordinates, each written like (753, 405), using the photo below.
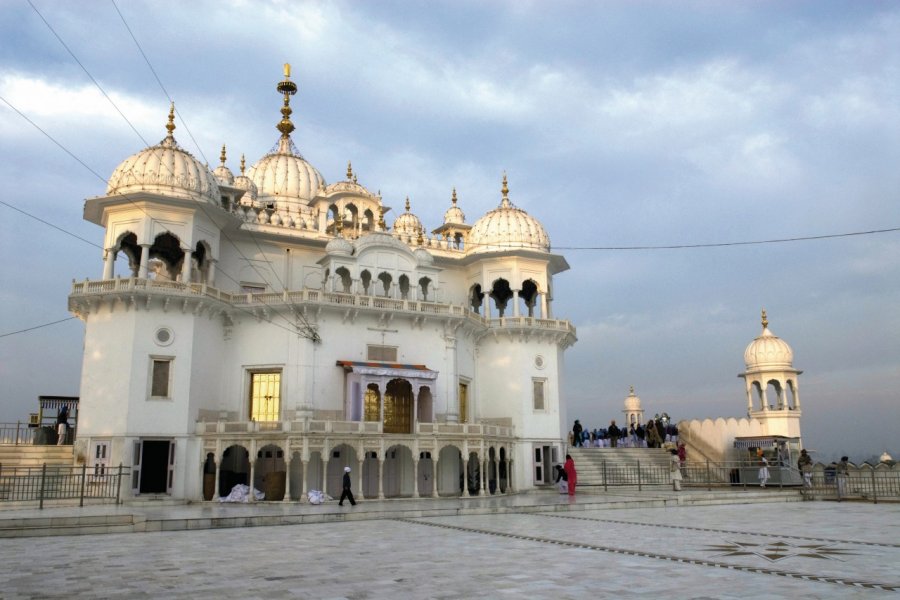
(505, 191)
(170, 126)
(453, 199)
(339, 223)
(765, 320)
(288, 88)
(631, 390)
(222, 155)
(354, 178)
(381, 224)
(243, 164)
(407, 204)
(421, 239)
(349, 171)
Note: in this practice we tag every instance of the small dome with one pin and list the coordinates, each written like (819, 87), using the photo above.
(768, 350)
(423, 257)
(632, 402)
(223, 174)
(339, 247)
(243, 182)
(507, 228)
(408, 223)
(454, 214)
(285, 176)
(167, 169)
(886, 458)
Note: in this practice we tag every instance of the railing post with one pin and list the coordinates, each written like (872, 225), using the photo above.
(81, 494)
(41, 492)
(119, 485)
(874, 492)
(17, 433)
(708, 479)
(605, 488)
(639, 476)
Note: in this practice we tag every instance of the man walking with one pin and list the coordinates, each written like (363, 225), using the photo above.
(346, 493)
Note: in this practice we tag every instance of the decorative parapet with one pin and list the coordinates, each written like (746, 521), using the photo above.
(360, 428)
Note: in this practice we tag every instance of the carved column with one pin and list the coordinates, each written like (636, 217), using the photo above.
(287, 480)
(304, 465)
(109, 261)
(252, 480)
(145, 260)
(211, 272)
(484, 477)
(515, 300)
(380, 477)
(186, 266)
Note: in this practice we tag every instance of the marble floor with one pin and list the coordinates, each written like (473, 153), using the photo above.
(755, 550)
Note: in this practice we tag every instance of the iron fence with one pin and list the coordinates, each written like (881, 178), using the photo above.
(15, 434)
(51, 482)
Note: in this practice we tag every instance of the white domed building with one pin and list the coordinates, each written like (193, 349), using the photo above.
(769, 361)
(270, 329)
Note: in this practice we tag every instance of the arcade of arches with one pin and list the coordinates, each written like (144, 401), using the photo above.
(396, 472)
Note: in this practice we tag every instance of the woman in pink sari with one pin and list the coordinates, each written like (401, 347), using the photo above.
(572, 477)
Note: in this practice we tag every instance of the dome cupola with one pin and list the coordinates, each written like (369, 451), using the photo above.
(283, 176)
(245, 183)
(768, 351)
(507, 228)
(454, 214)
(167, 169)
(408, 223)
(223, 174)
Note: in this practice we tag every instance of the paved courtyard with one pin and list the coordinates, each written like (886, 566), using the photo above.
(766, 550)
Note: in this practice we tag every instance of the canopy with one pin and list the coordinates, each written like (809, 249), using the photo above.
(762, 441)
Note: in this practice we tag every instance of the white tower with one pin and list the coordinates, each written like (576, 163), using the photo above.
(634, 414)
(769, 361)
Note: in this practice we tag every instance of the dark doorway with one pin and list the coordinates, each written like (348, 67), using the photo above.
(155, 467)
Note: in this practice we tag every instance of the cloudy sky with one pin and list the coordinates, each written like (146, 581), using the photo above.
(620, 125)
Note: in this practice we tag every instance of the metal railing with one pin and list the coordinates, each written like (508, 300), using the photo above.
(869, 485)
(49, 482)
(16, 434)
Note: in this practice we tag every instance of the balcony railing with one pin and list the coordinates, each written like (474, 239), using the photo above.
(316, 427)
(309, 296)
(18, 484)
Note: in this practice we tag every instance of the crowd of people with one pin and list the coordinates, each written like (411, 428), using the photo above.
(652, 434)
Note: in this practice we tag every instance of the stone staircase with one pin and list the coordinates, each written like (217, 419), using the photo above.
(35, 456)
(621, 466)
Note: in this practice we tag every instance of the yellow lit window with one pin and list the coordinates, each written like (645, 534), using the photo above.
(265, 396)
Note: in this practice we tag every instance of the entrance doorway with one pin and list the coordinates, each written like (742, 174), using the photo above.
(153, 468)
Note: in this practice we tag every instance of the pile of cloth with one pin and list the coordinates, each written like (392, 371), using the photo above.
(241, 493)
(317, 497)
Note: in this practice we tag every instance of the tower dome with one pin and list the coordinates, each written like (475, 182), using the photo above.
(283, 176)
(507, 227)
(768, 350)
(165, 168)
(223, 174)
(339, 246)
(454, 214)
(632, 402)
(245, 183)
(407, 223)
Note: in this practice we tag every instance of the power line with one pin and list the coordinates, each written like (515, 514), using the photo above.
(48, 223)
(37, 327)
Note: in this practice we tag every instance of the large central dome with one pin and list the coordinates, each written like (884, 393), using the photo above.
(283, 176)
(507, 227)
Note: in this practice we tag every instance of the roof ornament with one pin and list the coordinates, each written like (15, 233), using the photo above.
(243, 164)
(453, 198)
(765, 320)
(170, 126)
(631, 390)
(222, 155)
(381, 224)
(287, 88)
(339, 224)
(407, 204)
(349, 171)
(505, 191)
(421, 238)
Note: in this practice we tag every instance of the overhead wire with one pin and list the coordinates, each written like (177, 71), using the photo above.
(307, 328)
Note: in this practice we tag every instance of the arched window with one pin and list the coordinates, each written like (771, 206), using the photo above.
(167, 250)
(403, 284)
(366, 279)
(501, 293)
(424, 282)
(346, 280)
(529, 295)
(398, 400)
(476, 298)
(385, 279)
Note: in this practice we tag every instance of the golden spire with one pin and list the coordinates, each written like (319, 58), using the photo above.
(349, 171)
(287, 88)
(631, 390)
(453, 199)
(381, 224)
(170, 126)
(765, 320)
(339, 224)
(505, 191)
(222, 155)
(421, 239)
(243, 164)
(407, 204)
